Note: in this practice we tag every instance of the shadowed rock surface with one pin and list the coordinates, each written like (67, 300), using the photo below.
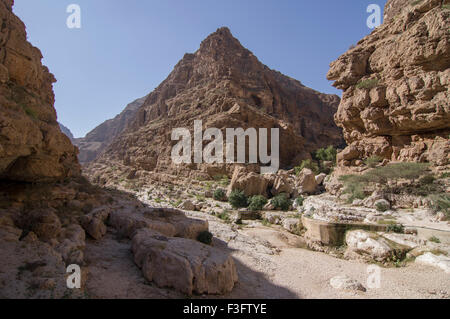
(32, 147)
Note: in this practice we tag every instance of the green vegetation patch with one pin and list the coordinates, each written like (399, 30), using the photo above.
(367, 84)
(281, 202)
(238, 199)
(257, 203)
(205, 237)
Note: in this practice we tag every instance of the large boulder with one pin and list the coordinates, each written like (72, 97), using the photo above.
(320, 178)
(166, 221)
(373, 246)
(306, 182)
(442, 262)
(250, 183)
(94, 222)
(72, 244)
(185, 265)
(44, 223)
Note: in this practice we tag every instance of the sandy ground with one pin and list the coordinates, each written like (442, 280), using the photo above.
(270, 265)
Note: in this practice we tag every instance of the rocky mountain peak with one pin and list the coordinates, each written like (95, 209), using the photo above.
(226, 86)
(221, 41)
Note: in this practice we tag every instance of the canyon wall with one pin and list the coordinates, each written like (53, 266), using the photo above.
(32, 147)
(395, 104)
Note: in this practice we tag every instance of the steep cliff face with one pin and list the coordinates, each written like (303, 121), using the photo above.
(101, 137)
(396, 96)
(226, 86)
(66, 132)
(32, 147)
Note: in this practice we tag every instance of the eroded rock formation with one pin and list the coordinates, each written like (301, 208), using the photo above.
(32, 147)
(224, 85)
(396, 96)
(48, 210)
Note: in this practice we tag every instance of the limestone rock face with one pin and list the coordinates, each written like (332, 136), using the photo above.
(99, 138)
(430, 259)
(224, 85)
(396, 96)
(166, 221)
(189, 266)
(250, 183)
(306, 182)
(32, 147)
(373, 246)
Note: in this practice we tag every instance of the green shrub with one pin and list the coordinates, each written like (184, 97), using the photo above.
(373, 161)
(434, 239)
(381, 207)
(238, 199)
(307, 164)
(257, 203)
(367, 84)
(299, 201)
(225, 216)
(353, 186)
(219, 194)
(441, 203)
(415, 2)
(409, 171)
(397, 228)
(31, 113)
(327, 154)
(223, 180)
(445, 175)
(427, 180)
(205, 237)
(281, 202)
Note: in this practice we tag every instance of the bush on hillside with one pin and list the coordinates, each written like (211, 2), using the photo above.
(281, 202)
(257, 203)
(238, 199)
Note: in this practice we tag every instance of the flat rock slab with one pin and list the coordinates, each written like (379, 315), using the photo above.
(166, 221)
(185, 265)
(430, 259)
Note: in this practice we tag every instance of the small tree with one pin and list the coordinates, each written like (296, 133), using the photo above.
(219, 194)
(238, 199)
(307, 164)
(299, 201)
(281, 202)
(328, 154)
(257, 203)
(205, 237)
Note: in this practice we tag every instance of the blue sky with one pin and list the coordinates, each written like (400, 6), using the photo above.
(124, 49)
